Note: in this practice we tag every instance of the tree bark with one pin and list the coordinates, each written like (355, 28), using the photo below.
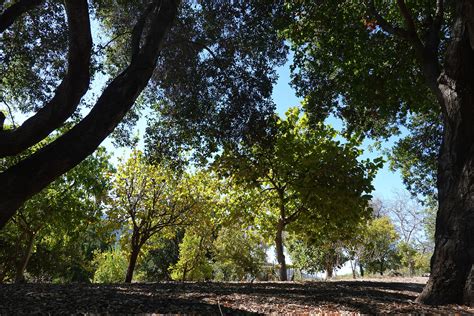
(329, 272)
(132, 263)
(361, 268)
(67, 95)
(34, 173)
(454, 238)
(279, 250)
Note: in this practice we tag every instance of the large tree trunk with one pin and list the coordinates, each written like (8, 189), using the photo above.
(279, 250)
(453, 257)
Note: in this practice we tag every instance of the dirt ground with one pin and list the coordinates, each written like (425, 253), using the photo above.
(212, 298)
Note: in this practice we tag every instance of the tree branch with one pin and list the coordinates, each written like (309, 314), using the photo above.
(137, 31)
(31, 175)
(69, 92)
(408, 19)
(13, 12)
(439, 14)
(386, 26)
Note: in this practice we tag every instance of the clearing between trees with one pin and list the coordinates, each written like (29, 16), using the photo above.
(368, 296)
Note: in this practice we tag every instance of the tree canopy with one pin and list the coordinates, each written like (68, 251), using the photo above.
(380, 65)
(300, 173)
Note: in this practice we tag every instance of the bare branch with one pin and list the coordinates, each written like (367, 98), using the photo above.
(13, 12)
(10, 112)
(116, 37)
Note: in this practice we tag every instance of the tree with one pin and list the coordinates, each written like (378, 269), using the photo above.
(300, 173)
(379, 249)
(157, 262)
(194, 65)
(377, 63)
(226, 239)
(146, 200)
(110, 266)
(238, 254)
(70, 204)
(193, 263)
(409, 217)
(315, 256)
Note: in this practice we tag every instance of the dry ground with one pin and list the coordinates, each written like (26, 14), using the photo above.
(308, 298)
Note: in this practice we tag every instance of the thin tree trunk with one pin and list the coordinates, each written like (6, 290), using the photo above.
(185, 271)
(21, 267)
(361, 268)
(353, 268)
(411, 267)
(454, 248)
(279, 250)
(132, 263)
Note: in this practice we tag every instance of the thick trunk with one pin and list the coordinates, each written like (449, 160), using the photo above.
(279, 250)
(329, 272)
(453, 257)
(34, 173)
(21, 267)
(131, 264)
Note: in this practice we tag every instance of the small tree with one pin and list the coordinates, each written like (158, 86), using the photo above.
(146, 200)
(316, 256)
(226, 240)
(379, 249)
(110, 266)
(305, 174)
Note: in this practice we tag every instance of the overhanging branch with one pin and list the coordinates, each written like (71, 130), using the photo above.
(13, 12)
(31, 175)
(69, 92)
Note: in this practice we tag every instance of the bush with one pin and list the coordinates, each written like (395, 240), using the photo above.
(111, 266)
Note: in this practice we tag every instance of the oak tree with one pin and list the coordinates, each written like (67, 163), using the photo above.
(379, 64)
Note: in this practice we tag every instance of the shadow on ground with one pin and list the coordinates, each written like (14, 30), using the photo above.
(215, 298)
